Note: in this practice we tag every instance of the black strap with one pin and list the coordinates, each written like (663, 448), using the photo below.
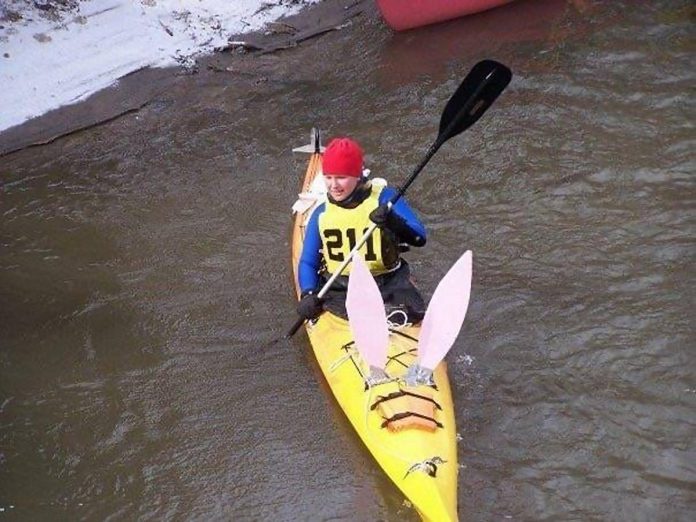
(406, 414)
(401, 393)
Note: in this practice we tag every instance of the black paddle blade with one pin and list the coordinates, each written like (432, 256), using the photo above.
(477, 92)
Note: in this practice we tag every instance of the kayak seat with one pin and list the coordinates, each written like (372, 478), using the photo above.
(408, 408)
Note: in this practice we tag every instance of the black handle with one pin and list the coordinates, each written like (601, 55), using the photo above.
(300, 321)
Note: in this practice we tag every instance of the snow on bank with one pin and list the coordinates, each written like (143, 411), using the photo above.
(57, 52)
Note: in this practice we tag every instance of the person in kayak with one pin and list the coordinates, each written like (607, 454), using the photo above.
(337, 225)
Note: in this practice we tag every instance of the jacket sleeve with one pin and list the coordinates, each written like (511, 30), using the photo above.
(411, 230)
(310, 260)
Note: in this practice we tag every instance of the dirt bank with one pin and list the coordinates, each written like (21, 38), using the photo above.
(135, 90)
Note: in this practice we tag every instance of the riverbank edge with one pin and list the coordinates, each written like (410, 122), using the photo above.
(135, 90)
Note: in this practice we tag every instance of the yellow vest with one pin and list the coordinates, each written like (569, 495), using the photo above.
(341, 229)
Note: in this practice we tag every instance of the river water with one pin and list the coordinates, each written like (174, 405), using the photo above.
(144, 275)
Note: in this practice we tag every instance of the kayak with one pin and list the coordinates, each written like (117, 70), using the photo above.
(407, 14)
(409, 429)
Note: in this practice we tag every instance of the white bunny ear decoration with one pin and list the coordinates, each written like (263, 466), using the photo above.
(443, 320)
(441, 325)
(367, 319)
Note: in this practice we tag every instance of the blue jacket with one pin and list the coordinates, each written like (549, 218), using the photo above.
(310, 261)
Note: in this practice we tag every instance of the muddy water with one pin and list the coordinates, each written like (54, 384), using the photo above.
(144, 269)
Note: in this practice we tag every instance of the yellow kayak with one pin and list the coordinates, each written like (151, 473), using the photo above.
(410, 430)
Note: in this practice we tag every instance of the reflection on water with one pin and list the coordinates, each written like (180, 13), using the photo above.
(408, 56)
(144, 273)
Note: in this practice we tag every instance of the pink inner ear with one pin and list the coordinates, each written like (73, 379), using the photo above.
(445, 315)
(366, 315)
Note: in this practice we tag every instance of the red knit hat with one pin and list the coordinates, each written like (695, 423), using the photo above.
(343, 157)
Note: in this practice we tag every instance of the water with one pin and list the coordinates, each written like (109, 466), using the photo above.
(144, 272)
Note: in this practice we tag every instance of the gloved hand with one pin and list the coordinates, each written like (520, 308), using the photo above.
(386, 219)
(310, 306)
(381, 216)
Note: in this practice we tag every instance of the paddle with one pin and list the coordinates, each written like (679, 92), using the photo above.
(484, 83)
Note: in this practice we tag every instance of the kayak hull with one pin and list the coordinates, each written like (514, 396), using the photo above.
(407, 14)
(421, 462)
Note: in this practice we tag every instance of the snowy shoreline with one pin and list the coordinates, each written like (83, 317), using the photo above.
(59, 52)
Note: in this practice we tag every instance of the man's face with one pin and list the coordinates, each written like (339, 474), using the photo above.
(340, 187)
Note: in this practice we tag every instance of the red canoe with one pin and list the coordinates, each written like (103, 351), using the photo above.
(406, 14)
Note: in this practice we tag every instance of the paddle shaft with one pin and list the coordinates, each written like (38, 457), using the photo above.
(300, 321)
